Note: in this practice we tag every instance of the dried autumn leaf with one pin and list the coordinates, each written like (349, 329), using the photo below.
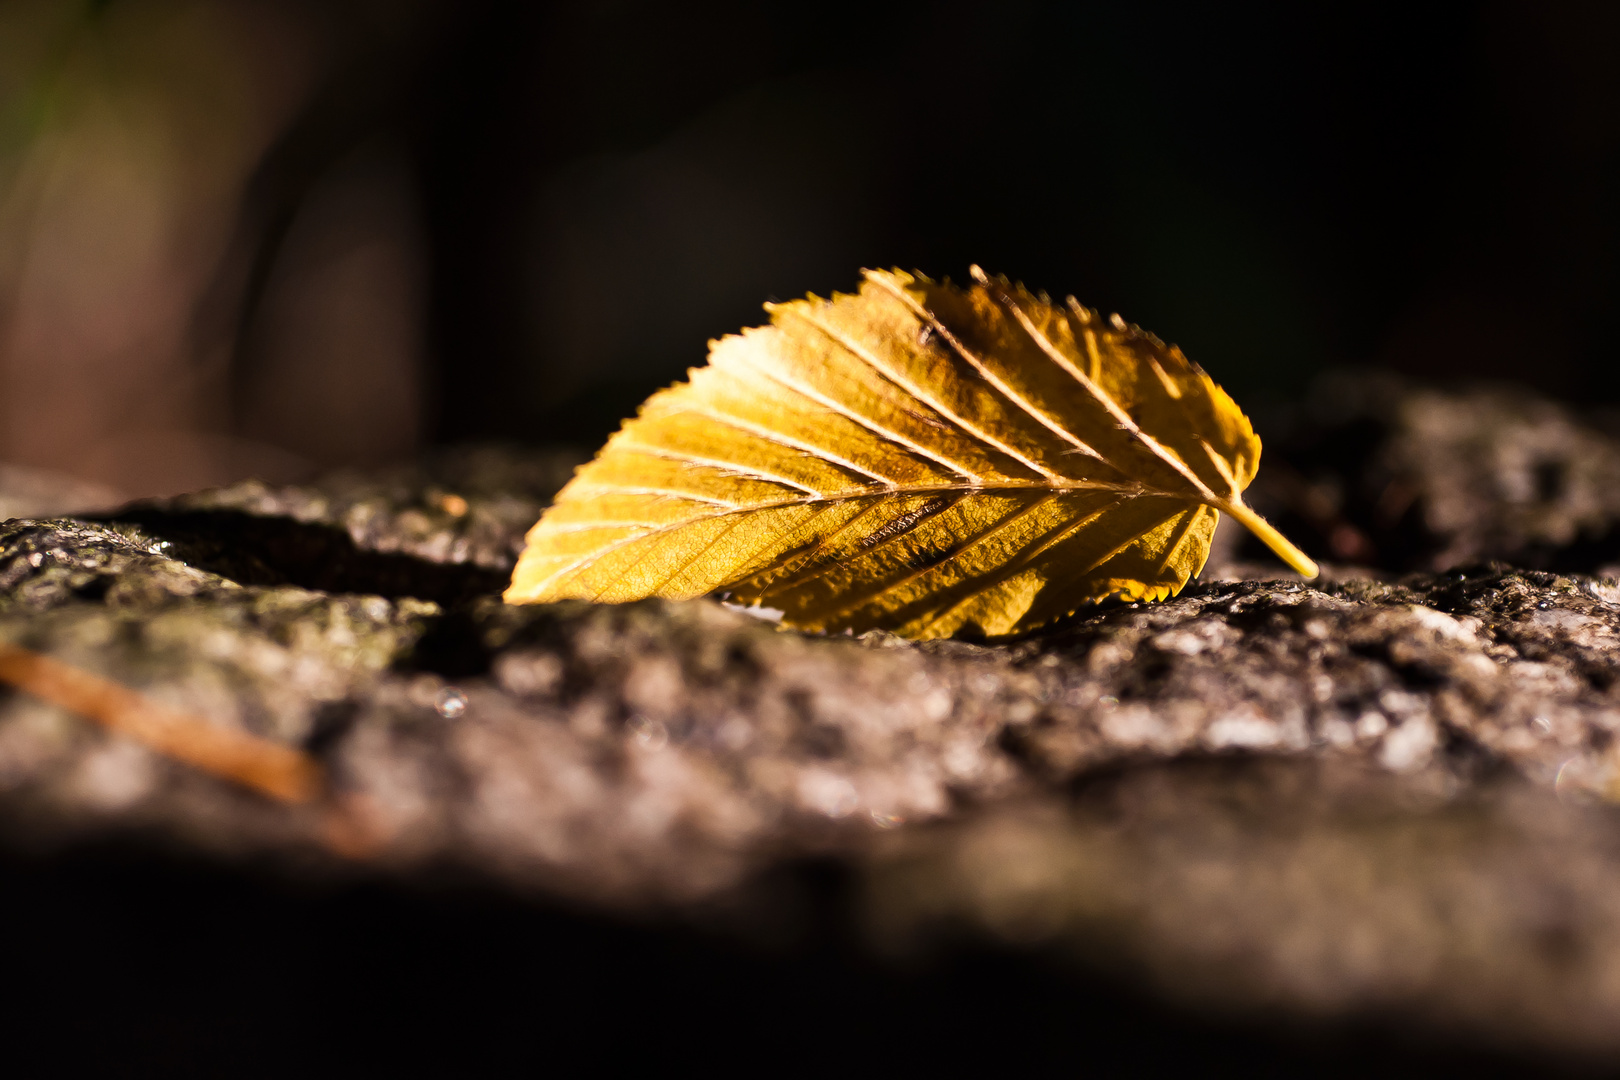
(917, 458)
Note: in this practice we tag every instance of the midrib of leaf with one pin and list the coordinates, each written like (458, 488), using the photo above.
(794, 582)
(965, 545)
(1232, 504)
(1132, 489)
(650, 531)
(1102, 397)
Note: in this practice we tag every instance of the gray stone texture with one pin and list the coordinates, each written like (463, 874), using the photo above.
(1384, 793)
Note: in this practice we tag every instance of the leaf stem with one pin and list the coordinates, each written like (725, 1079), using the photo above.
(1274, 540)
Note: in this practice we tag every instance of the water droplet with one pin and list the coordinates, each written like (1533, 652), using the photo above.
(450, 702)
(1108, 701)
(1542, 724)
(1575, 781)
(648, 734)
(886, 821)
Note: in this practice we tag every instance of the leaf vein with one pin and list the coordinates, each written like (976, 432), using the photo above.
(857, 350)
(1002, 386)
(729, 467)
(966, 544)
(866, 422)
(1121, 417)
(782, 440)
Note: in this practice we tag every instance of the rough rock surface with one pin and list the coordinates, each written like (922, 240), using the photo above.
(1369, 469)
(1377, 795)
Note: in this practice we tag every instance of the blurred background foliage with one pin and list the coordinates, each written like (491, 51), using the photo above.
(241, 237)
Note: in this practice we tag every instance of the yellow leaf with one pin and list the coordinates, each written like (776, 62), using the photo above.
(917, 458)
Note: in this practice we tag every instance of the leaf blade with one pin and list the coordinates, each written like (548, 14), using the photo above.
(915, 457)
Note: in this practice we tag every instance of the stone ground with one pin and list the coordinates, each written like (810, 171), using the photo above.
(1361, 823)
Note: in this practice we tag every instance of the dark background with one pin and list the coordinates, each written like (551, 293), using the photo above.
(428, 221)
(1277, 189)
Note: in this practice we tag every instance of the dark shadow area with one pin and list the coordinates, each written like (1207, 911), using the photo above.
(254, 550)
(453, 646)
(153, 966)
(251, 549)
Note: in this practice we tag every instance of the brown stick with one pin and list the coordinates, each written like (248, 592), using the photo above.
(276, 770)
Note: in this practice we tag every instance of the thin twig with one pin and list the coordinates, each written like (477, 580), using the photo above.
(275, 770)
